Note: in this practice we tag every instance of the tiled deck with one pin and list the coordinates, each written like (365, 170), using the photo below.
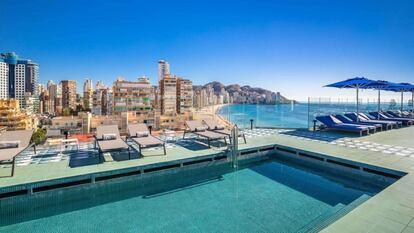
(392, 210)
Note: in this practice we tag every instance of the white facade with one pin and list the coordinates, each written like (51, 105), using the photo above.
(163, 69)
(4, 80)
(19, 83)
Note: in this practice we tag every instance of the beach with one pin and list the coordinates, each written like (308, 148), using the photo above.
(212, 112)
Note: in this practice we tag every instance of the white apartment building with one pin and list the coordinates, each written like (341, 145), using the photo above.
(19, 83)
(163, 69)
(4, 80)
(18, 80)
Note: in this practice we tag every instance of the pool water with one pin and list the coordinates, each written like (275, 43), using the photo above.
(274, 196)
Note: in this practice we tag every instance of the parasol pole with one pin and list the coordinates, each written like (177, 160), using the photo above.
(357, 99)
(379, 102)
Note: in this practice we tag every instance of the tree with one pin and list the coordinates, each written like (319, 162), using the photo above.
(39, 136)
(67, 111)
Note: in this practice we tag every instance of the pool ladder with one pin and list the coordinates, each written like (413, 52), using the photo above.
(234, 146)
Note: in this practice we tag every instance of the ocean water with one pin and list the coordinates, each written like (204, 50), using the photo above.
(299, 115)
(274, 196)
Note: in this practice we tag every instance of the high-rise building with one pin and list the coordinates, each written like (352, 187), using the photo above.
(184, 95)
(168, 94)
(4, 79)
(163, 69)
(88, 94)
(132, 96)
(50, 106)
(19, 80)
(68, 94)
(102, 100)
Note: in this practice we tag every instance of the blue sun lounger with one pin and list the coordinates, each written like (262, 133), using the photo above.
(334, 124)
(384, 117)
(400, 114)
(385, 124)
(367, 116)
(346, 120)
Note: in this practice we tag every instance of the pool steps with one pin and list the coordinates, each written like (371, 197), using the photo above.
(337, 212)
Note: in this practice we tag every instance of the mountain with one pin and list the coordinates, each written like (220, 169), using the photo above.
(243, 94)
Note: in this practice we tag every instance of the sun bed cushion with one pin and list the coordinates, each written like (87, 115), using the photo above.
(148, 141)
(406, 120)
(8, 154)
(363, 119)
(330, 121)
(138, 130)
(109, 136)
(213, 124)
(142, 134)
(112, 144)
(9, 144)
(107, 129)
(23, 136)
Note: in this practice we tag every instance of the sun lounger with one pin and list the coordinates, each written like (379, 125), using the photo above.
(397, 124)
(140, 134)
(385, 124)
(107, 139)
(12, 143)
(197, 128)
(215, 126)
(401, 114)
(384, 117)
(346, 120)
(334, 124)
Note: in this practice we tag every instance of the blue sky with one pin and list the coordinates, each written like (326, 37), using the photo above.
(294, 47)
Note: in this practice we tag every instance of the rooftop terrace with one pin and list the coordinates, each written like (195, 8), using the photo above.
(392, 210)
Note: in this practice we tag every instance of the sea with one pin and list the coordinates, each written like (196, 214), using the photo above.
(298, 115)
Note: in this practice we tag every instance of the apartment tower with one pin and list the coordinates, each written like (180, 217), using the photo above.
(184, 95)
(132, 96)
(168, 94)
(163, 69)
(87, 94)
(19, 80)
(68, 94)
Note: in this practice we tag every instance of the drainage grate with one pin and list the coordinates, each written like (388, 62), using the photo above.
(266, 149)
(14, 193)
(196, 162)
(109, 177)
(61, 185)
(155, 169)
(310, 156)
(248, 152)
(343, 164)
(382, 173)
(286, 150)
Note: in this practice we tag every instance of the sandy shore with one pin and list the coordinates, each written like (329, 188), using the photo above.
(212, 112)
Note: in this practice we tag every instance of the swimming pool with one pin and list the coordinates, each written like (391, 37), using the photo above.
(270, 196)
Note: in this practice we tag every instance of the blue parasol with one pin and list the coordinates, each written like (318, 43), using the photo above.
(355, 83)
(402, 87)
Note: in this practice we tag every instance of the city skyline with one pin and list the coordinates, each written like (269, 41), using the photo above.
(271, 45)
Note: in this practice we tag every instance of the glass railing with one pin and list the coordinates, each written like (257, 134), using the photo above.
(300, 115)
